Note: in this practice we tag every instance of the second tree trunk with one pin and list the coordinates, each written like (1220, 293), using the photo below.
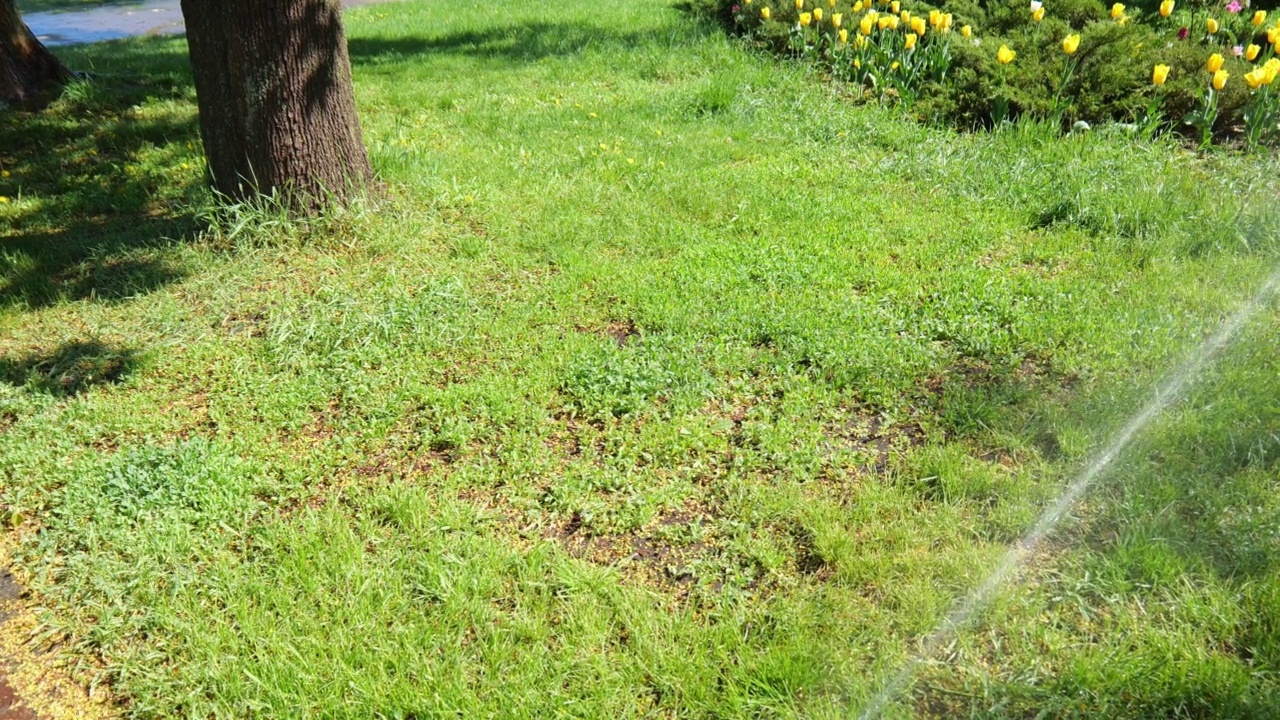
(27, 70)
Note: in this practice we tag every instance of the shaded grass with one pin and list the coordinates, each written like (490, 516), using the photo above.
(664, 381)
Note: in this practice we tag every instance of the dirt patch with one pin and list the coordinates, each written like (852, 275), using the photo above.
(401, 455)
(621, 332)
(33, 685)
(1030, 373)
(808, 560)
(577, 437)
(322, 425)
(251, 325)
(875, 435)
(664, 554)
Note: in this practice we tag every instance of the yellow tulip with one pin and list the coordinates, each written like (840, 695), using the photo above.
(1271, 68)
(917, 25)
(1004, 55)
(1214, 63)
(868, 22)
(1254, 77)
(799, 4)
(911, 41)
(1070, 44)
(844, 36)
(817, 14)
(837, 19)
(1220, 79)
(966, 31)
(1159, 74)
(857, 7)
(946, 23)
(895, 6)
(935, 17)
(1038, 14)
(1251, 52)
(860, 42)
(857, 63)
(1273, 34)
(764, 13)
(883, 22)
(1259, 18)
(806, 19)
(893, 22)
(1211, 25)
(894, 65)
(1117, 11)
(1166, 8)
(831, 4)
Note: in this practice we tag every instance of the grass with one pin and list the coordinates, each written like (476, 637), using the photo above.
(664, 381)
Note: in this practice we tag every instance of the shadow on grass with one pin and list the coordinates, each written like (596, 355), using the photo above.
(515, 43)
(109, 261)
(102, 181)
(71, 368)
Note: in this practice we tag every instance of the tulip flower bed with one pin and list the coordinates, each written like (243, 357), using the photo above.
(1207, 70)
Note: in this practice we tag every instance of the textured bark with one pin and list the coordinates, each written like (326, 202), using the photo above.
(277, 111)
(27, 70)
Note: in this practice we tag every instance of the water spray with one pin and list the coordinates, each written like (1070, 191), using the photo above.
(1167, 392)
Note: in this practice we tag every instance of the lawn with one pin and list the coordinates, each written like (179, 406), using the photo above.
(663, 381)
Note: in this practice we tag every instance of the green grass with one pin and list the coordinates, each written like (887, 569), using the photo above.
(664, 381)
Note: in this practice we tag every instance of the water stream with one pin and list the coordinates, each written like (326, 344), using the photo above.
(1170, 390)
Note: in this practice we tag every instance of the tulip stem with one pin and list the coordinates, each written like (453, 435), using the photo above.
(1059, 107)
(1259, 117)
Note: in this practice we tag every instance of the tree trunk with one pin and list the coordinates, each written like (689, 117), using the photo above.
(27, 70)
(277, 112)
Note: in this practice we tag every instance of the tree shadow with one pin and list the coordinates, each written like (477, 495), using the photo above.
(104, 261)
(517, 43)
(101, 184)
(69, 369)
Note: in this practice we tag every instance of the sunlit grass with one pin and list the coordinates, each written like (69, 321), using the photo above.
(662, 381)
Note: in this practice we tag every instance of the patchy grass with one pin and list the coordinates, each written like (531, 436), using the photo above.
(663, 381)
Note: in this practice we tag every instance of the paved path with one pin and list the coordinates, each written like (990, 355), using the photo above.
(112, 22)
(32, 685)
(10, 707)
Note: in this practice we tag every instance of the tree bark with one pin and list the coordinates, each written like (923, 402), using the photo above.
(27, 70)
(277, 111)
